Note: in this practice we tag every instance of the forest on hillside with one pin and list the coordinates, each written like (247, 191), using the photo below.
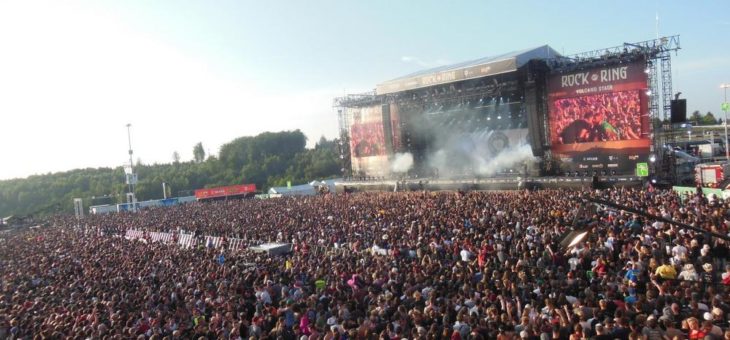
(268, 159)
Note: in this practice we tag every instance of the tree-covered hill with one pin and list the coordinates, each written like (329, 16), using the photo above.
(268, 159)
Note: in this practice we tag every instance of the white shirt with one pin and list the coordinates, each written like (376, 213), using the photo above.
(679, 251)
(465, 254)
(573, 262)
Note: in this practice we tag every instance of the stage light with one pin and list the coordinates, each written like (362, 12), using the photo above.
(581, 229)
(576, 237)
(499, 117)
(584, 224)
(648, 92)
(652, 158)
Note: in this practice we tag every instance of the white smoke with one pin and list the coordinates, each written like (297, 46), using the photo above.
(402, 162)
(508, 158)
(459, 143)
(452, 162)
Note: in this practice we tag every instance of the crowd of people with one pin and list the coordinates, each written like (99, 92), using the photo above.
(596, 118)
(416, 265)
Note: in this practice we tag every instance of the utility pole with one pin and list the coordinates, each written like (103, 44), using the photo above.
(131, 178)
(725, 107)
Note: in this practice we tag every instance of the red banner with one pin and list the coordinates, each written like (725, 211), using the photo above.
(225, 191)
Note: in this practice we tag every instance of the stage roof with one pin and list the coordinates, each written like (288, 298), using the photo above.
(483, 67)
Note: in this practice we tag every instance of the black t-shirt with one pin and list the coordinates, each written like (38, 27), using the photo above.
(572, 132)
(621, 333)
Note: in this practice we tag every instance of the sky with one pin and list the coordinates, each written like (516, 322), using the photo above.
(74, 73)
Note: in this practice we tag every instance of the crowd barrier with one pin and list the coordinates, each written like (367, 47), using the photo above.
(186, 240)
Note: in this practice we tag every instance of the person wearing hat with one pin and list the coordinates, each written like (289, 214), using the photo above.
(707, 275)
(688, 273)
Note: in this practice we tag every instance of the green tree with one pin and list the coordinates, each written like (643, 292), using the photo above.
(696, 117)
(198, 152)
(709, 119)
(268, 159)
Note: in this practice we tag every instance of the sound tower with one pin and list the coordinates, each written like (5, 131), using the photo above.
(678, 111)
(535, 85)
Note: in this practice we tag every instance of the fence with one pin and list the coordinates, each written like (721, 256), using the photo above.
(186, 240)
(190, 240)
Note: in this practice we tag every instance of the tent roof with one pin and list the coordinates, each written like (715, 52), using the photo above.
(482, 67)
(304, 189)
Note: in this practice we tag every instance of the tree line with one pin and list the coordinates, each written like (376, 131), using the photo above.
(268, 159)
(696, 118)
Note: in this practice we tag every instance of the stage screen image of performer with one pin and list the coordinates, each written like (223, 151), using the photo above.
(367, 139)
(597, 118)
(368, 151)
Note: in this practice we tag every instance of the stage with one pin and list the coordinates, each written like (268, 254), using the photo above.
(589, 113)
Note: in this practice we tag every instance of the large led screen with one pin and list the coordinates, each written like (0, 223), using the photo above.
(367, 141)
(598, 118)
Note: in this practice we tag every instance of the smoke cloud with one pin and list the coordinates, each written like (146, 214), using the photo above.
(474, 160)
(471, 140)
(402, 162)
(508, 158)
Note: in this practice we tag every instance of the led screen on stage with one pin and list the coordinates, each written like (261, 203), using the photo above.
(604, 117)
(367, 141)
(598, 118)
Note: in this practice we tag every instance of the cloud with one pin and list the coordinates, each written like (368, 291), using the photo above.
(423, 63)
